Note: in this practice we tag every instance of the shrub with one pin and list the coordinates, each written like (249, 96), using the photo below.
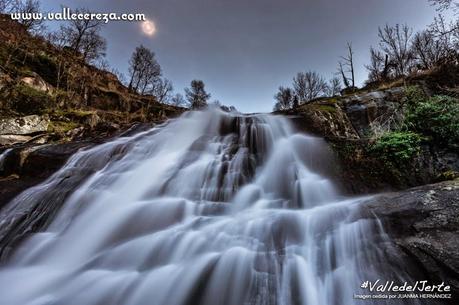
(436, 117)
(397, 147)
(414, 95)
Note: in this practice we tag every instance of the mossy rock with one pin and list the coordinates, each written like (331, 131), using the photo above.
(61, 127)
(325, 108)
(448, 175)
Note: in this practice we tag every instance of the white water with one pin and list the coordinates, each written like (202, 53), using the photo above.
(208, 209)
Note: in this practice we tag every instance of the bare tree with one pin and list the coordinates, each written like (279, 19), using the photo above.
(284, 99)
(428, 50)
(333, 87)
(308, 86)
(144, 70)
(8, 6)
(446, 34)
(103, 64)
(29, 9)
(78, 29)
(151, 81)
(119, 75)
(93, 46)
(197, 95)
(379, 67)
(343, 75)
(162, 89)
(179, 101)
(346, 65)
(82, 36)
(395, 42)
(445, 4)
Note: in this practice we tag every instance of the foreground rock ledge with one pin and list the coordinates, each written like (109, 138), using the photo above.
(423, 222)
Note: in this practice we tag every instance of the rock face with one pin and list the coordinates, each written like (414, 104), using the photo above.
(22, 129)
(350, 117)
(349, 124)
(24, 125)
(26, 165)
(423, 222)
(374, 109)
(23, 167)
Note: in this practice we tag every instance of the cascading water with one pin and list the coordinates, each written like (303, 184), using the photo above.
(211, 208)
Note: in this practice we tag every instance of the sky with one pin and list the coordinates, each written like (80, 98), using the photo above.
(244, 50)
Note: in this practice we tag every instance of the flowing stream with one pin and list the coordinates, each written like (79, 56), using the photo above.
(210, 208)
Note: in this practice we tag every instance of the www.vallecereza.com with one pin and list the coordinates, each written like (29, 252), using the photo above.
(67, 14)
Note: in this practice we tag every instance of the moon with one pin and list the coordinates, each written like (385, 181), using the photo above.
(148, 27)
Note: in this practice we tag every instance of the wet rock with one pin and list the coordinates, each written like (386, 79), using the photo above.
(24, 167)
(423, 222)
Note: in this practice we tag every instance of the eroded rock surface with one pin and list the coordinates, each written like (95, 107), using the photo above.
(423, 222)
(26, 125)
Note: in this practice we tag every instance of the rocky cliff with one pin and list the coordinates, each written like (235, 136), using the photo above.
(397, 136)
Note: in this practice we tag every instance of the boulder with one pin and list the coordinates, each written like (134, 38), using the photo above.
(36, 82)
(26, 125)
(423, 223)
(8, 140)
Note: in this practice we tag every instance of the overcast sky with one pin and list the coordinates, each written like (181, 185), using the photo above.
(244, 49)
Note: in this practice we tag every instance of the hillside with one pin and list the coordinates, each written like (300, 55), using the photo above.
(59, 97)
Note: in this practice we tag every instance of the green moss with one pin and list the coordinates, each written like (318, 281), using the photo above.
(75, 113)
(61, 126)
(448, 175)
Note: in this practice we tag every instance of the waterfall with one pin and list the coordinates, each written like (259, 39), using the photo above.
(210, 208)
